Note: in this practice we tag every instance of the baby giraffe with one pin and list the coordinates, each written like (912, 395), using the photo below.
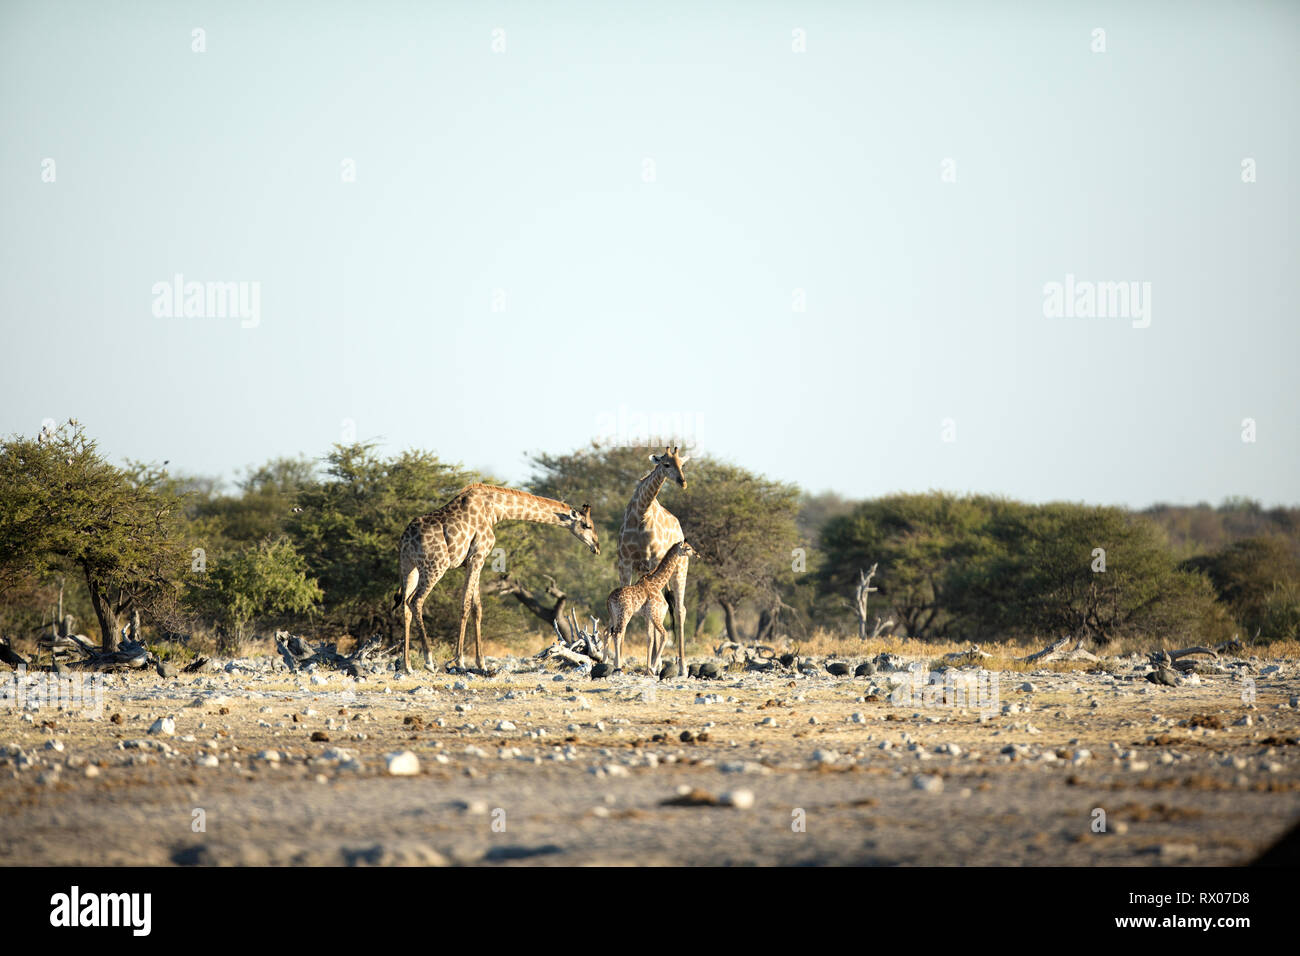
(648, 595)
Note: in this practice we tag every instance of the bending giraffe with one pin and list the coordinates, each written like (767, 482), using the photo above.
(461, 533)
(649, 531)
(648, 595)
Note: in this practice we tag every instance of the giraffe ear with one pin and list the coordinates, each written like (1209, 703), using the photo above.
(586, 509)
(684, 459)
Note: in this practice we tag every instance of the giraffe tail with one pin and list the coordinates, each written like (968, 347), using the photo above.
(409, 586)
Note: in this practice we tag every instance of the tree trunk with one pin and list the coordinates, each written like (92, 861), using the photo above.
(105, 614)
(701, 612)
(729, 613)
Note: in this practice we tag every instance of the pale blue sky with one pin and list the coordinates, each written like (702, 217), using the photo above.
(523, 171)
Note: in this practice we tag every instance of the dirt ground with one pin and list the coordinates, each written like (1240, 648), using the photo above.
(535, 766)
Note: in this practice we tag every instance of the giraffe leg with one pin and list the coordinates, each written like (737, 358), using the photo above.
(409, 584)
(679, 613)
(661, 637)
(478, 629)
(428, 579)
(467, 598)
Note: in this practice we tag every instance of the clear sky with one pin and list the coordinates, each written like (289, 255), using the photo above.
(608, 216)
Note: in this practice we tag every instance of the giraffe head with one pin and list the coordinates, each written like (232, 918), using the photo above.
(583, 528)
(671, 464)
(683, 547)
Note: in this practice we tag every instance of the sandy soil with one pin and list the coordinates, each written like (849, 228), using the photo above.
(545, 768)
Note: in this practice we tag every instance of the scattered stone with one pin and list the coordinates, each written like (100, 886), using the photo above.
(740, 799)
(403, 764)
(165, 726)
(930, 783)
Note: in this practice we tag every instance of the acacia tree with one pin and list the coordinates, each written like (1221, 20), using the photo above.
(348, 525)
(62, 505)
(265, 579)
(744, 527)
(917, 539)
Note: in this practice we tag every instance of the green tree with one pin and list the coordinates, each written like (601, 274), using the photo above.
(347, 528)
(1088, 571)
(1259, 580)
(62, 505)
(744, 527)
(261, 580)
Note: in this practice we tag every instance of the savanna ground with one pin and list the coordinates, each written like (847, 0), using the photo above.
(539, 766)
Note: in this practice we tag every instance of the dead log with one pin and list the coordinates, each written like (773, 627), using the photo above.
(1049, 653)
(1057, 652)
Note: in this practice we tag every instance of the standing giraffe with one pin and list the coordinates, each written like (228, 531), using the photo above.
(649, 530)
(646, 595)
(461, 533)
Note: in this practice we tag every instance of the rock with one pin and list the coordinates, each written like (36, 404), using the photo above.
(397, 854)
(825, 756)
(319, 679)
(320, 737)
(740, 799)
(207, 760)
(165, 726)
(1028, 687)
(865, 669)
(1177, 851)
(930, 783)
(1165, 675)
(403, 764)
(858, 718)
(505, 725)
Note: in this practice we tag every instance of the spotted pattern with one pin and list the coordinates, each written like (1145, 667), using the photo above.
(646, 595)
(649, 531)
(460, 533)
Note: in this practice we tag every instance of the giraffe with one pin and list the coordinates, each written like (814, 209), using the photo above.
(649, 530)
(648, 595)
(461, 533)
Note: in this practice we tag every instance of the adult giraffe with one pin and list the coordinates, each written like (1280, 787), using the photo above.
(649, 531)
(461, 533)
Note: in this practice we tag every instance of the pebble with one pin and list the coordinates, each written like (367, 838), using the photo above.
(928, 782)
(165, 726)
(403, 764)
(740, 799)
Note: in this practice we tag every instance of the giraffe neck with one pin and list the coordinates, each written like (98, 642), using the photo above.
(646, 491)
(657, 578)
(511, 505)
